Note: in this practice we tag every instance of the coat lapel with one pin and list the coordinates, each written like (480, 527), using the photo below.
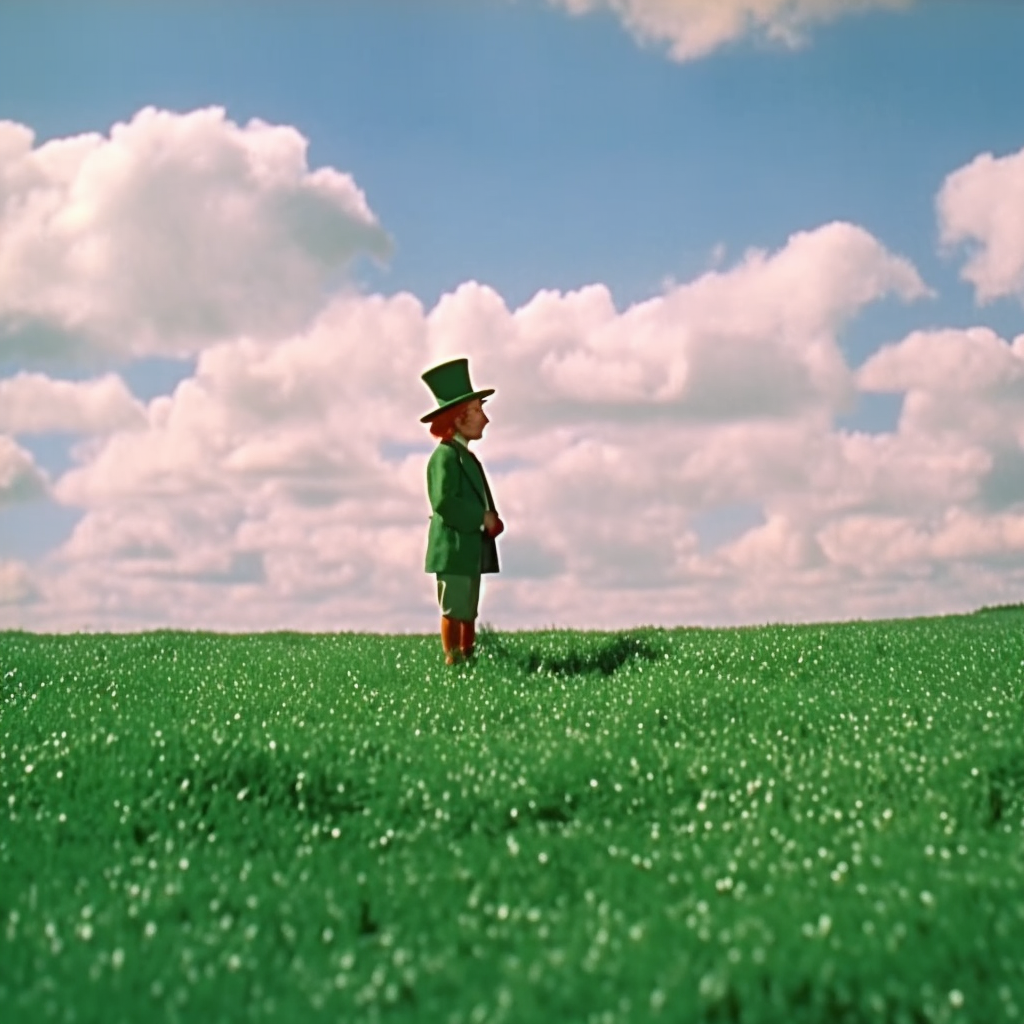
(459, 449)
(489, 546)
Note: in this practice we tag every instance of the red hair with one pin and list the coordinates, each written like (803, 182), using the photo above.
(443, 425)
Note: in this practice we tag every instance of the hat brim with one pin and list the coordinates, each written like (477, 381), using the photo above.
(456, 401)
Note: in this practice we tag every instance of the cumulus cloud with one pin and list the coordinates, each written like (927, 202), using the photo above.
(32, 403)
(259, 493)
(964, 398)
(20, 478)
(756, 340)
(696, 28)
(282, 486)
(982, 205)
(958, 384)
(974, 360)
(892, 541)
(938, 501)
(17, 585)
(173, 232)
(305, 415)
(302, 415)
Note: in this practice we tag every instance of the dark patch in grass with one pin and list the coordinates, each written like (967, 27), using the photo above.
(1005, 790)
(406, 994)
(727, 1010)
(548, 814)
(604, 656)
(270, 782)
(367, 925)
(552, 812)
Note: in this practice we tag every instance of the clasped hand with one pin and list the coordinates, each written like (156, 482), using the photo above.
(492, 524)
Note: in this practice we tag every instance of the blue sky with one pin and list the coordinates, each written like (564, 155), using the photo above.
(511, 144)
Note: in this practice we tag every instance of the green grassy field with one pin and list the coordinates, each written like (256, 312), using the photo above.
(776, 824)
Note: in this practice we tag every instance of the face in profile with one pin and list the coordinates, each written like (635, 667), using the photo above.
(474, 419)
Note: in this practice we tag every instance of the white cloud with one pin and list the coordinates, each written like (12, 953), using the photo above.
(939, 499)
(17, 586)
(256, 495)
(170, 234)
(20, 478)
(776, 548)
(301, 416)
(757, 339)
(982, 204)
(696, 28)
(32, 403)
(948, 362)
(260, 495)
(958, 383)
(893, 541)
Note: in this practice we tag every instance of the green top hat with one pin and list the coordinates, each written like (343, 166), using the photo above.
(450, 384)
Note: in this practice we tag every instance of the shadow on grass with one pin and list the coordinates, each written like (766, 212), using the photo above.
(603, 655)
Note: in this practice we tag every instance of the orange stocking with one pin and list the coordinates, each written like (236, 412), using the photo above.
(468, 637)
(451, 630)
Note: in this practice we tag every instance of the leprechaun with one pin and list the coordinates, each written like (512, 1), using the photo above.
(461, 540)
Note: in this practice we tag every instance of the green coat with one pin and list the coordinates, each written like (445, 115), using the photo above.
(459, 496)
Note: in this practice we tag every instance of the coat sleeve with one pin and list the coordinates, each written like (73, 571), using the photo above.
(458, 507)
